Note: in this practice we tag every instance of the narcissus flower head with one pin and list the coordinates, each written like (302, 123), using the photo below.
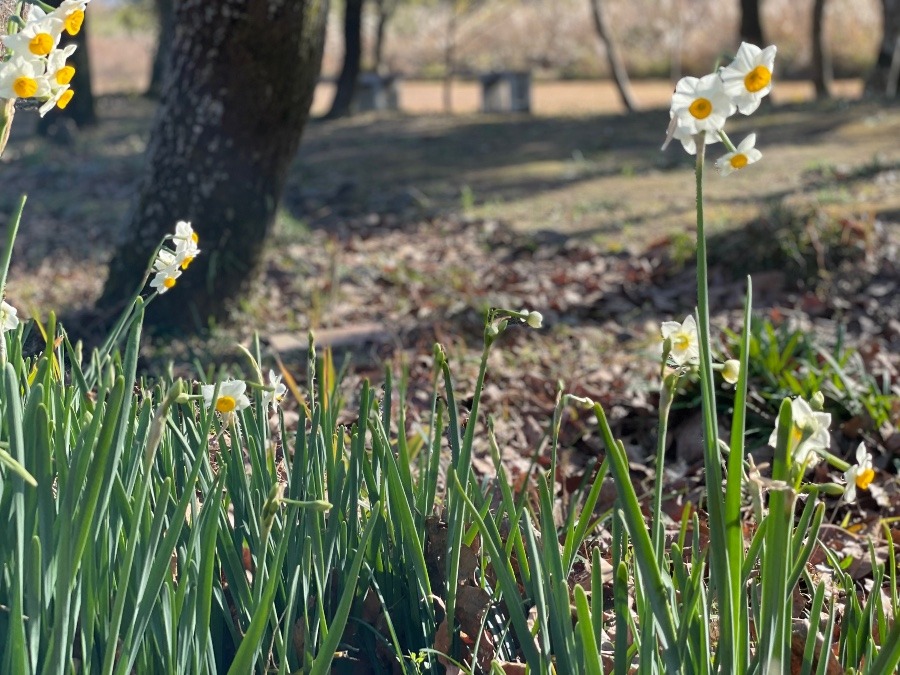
(58, 73)
(809, 433)
(8, 318)
(701, 104)
(683, 133)
(38, 37)
(748, 78)
(22, 77)
(186, 241)
(276, 391)
(859, 475)
(744, 155)
(71, 12)
(685, 343)
(230, 399)
(60, 98)
(165, 279)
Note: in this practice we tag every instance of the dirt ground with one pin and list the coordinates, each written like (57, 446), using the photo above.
(576, 97)
(399, 230)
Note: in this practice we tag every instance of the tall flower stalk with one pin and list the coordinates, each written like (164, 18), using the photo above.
(700, 108)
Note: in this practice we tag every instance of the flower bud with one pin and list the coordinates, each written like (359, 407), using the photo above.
(583, 401)
(535, 319)
(817, 401)
(832, 489)
(731, 371)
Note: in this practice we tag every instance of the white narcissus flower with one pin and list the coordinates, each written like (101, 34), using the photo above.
(59, 75)
(809, 433)
(167, 271)
(276, 392)
(231, 397)
(685, 343)
(748, 78)
(744, 155)
(860, 475)
(60, 98)
(184, 233)
(186, 240)
(21, 77)
(8, 318)
(701, 104)
(683, 133)
(71, 12)
(38, 37)
(165, 279)
(164, 258)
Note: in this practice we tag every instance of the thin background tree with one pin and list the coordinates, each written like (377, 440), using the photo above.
(345, 91)
(822, 73)
(616, 63)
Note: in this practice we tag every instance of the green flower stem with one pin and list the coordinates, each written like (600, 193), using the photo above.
(11, 232)
(719, 567)
(43, 5)
(7, 110)
(727, 141)
(666, 395)
(834, 460)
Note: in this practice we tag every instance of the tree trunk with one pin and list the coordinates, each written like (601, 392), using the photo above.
(346, 84)
(450, 57)
(165, 19)
(241, 81)
(385, 11)
(616, 65)
(885, 75)
(821, 60)
(751, 25)
(81, 110)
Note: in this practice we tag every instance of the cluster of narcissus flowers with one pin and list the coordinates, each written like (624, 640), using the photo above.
(232, 396)
(810, 440)
(35, 66)
(169, 263)
(700, 106)
(684, 349)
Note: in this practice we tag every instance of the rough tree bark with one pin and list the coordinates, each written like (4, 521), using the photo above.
(241, 81)
(616, 64)
(751, 24)
(822, 74)
(346, 84)
(165, 20)
(885, 75)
